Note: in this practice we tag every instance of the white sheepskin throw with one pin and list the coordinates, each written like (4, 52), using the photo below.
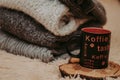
(49, 13)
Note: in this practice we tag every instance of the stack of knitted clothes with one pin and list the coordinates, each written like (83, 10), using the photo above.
(42, 28)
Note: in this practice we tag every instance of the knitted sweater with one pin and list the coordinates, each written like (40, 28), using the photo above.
(49, 24)
(49, 13)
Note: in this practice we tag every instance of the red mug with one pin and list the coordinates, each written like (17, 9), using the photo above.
(94, 47)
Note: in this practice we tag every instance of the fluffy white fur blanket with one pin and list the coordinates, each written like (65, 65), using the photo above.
(14, 67)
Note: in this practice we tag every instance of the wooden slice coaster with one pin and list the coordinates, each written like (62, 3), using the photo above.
(73, 68)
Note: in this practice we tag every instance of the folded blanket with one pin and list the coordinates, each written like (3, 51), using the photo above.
(47, 23)
(50, 13)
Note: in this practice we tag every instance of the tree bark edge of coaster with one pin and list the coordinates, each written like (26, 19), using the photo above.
(74, 70)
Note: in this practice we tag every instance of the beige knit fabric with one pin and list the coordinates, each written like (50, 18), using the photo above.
(49, 13)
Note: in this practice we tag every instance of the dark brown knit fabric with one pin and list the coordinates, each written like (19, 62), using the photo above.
(87, 8)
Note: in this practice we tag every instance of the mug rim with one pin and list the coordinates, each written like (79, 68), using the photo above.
(95, 30)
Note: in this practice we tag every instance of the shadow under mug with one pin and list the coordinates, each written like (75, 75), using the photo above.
(94, 47)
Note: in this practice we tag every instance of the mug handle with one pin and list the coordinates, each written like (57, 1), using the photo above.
(68, 51)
